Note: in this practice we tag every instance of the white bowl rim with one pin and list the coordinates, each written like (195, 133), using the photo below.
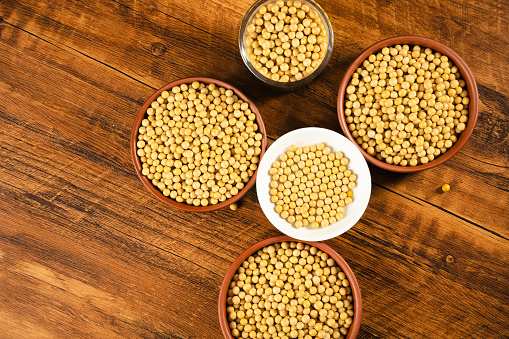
(306, 137)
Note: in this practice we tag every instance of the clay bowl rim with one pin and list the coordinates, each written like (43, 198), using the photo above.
(225, 285)
(473, 109)
(137, 163)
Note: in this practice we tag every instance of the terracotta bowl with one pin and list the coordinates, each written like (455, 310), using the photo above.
(354, 285)
(137, 163)
(466, 75)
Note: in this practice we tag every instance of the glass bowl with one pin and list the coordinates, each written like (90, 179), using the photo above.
(285, 86)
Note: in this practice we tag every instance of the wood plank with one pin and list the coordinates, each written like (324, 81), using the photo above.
(485, 130)
(86, 251)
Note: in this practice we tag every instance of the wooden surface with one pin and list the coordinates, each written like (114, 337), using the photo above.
(87, 252)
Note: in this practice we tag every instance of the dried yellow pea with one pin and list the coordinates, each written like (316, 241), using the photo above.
(313, 191)
(199, 144)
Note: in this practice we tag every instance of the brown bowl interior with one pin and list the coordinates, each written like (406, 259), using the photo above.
(356, 292)
(438, 47)
(137, 163)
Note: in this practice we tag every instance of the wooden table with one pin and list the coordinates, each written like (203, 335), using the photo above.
(86, 251)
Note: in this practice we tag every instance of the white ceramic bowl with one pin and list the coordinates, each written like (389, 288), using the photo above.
(307, 137)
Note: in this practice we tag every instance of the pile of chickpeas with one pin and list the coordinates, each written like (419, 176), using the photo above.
(286, 41)
(290, 290)
(199, 144)
(406, 106)
(310, 185)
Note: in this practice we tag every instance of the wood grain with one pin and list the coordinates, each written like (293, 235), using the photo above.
(86, 251)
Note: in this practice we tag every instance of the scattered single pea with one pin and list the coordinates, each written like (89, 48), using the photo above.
(446, 187)
(406, 106)
(199, 144)
(234, 206)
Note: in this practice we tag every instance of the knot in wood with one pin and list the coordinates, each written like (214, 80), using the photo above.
(158, 49)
